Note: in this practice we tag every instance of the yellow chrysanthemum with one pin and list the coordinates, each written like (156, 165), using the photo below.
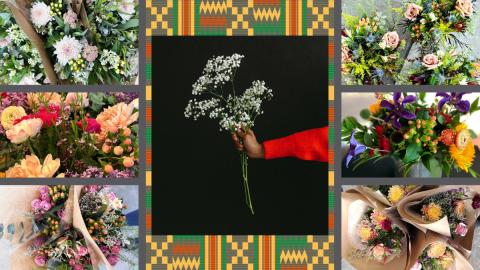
(446, 260)
(463, 158)
(396, 193)
(432, 212)
(365, 233)
(436, 250)
(375, 107)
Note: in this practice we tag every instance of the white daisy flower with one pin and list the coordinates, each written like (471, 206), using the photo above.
(67, 49)
(40, 14)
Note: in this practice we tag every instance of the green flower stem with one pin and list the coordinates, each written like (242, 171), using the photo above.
(244, 164)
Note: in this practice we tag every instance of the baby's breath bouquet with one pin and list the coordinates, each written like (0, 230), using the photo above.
(216, 97)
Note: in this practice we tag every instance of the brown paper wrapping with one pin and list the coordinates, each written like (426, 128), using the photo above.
(442, 226)
(352, 200)
(21, 197)
(20, 11)
(421, 240)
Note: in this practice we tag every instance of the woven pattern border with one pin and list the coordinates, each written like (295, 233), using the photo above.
(228, 18)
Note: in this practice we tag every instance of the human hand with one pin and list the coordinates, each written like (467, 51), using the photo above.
(246, 141)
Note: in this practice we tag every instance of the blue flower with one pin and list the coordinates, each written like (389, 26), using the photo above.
(355, 149)
(370, 38)
(379, 72)
(397, 109)
(454, 99)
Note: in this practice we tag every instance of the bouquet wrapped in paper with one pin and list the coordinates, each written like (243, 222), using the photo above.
(450, 211)
(389, 195)
(372, 237)
(431, 251)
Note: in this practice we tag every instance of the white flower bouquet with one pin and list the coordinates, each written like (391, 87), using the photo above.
(79, 42)
(217, 98)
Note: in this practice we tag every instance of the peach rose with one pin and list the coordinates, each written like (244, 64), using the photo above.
(77, 99)
(430, 61)
(31, 167)
(116, 117)
(24, 130)
(380, 253)
(464, 7)
(390, 40)
(413, 10)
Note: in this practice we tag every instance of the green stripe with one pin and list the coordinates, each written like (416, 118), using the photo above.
(331, 72)
(148, 71)
(148, 199)
(148, 134)
(331, 200)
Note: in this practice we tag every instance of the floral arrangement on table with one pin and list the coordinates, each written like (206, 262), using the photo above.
(88, 135)
(437, 256)
(20, 61)
(216, 97)
(432, 22)
(394, 193)
(60, 244)
(445, 68)
(381, 239)
(414, 132)
(450, 204)
(86, 42)
(370, 50)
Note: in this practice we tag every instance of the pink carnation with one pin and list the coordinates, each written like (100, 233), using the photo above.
(90, 53)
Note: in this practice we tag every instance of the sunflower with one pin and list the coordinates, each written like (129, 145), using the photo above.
(463, 151)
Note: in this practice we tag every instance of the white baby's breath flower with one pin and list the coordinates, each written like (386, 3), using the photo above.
(67, 49)
(40, 14)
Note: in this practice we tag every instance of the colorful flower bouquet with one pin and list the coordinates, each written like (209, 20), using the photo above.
(414, 132)
(88, 135)
(391, 194)
(370, 50)
(437, 256)
(382, 240)
(82, 42)
(445, 68)
(78, 240)
(218, 99)
(432, 22)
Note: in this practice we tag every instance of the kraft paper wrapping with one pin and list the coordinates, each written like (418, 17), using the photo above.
(421, 240)
(379, 196)
(354, 205)
(20, 197)
(405, 209)
(20, 11)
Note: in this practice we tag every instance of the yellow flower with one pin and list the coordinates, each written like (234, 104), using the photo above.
(10, 114)
(375, 107)
(463, 158)
(459, 208)
(437, 249)
(446, 260)
(31, 167)
(365, 233)
(378, 217)
(396, 193)
(432, 212)
(46, 98)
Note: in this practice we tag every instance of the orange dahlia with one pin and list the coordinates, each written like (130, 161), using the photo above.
(463, 151)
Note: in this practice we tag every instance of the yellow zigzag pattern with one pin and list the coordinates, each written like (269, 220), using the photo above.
(182, 263)
(294, 256)
(267, 14)
(215, 7)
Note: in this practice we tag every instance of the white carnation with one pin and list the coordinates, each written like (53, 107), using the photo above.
(40, 14)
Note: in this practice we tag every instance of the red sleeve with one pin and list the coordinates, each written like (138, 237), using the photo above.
(310, 144)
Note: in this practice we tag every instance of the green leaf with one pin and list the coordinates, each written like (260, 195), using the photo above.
(359, 136)
(133, 23)
(441, 119)
(422, 96)
(368, 139)
(412, 154)
(365, 114)
(474, 107)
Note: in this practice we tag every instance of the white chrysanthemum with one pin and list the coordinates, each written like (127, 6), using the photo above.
(40, 14)
(67, 49)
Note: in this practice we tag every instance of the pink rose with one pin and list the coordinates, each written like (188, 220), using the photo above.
(40, 260)
(36, 205)
(412, 11)
(45, 205)
(430, 61)
(82, 251)
(391, 40)
(113, 259)
(461, 229)
(116, 249)
(464, 7)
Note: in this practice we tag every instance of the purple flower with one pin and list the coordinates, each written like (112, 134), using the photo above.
(461, 229)
(355, 149)
(126, 97)
(476, 201)
(40, 260)
(36, 205)
(454, 99)
(397, 109)
(113, 259)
